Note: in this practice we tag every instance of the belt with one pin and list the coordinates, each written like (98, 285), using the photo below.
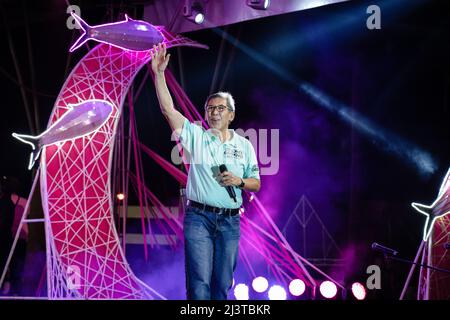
(198, 205)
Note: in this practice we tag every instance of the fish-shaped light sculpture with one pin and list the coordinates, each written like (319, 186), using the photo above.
(129, 34)
(81, 119)
(438, 209)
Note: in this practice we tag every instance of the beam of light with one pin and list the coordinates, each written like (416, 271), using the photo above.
(384, 139)
(339, 25)
(387, 141)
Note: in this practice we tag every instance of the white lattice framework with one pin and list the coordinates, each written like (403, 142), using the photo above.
(84, 255)
(434, 284)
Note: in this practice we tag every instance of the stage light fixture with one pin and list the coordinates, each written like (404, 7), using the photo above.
(358, 290)
(259, 4)
(194, 11)
(297, 287)
(328, 289)
(260, 284)
(241, 292)
(277, 292)
(120, 196)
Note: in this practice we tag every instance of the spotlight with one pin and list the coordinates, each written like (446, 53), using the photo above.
(120, 196)
(358, 290)
(193, 11)
(297, 287)
(328, 289)
(277, 292)
(260, 284)
(241, 292)
(258, 4)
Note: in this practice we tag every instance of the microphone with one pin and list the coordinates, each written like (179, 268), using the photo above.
(230, 189)
(385, 250)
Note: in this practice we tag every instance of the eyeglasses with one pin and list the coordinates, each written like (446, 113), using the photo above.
(220, 108)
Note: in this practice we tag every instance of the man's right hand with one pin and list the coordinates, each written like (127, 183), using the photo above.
(159, 58)
(159, 65)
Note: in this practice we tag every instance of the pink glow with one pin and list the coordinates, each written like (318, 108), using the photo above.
(358, 290)
(176, 173)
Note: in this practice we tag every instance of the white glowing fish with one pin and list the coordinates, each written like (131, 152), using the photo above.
(129, 34)
(80, 120)
(439, 208)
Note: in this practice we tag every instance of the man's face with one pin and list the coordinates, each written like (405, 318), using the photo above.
(218, 115)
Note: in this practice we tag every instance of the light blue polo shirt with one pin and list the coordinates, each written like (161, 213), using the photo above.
(205, 153)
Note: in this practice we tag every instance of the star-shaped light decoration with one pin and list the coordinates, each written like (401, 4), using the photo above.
(438, 209)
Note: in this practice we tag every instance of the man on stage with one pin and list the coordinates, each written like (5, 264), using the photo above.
(222, 164)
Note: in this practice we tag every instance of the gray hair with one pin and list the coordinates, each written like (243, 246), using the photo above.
(224, 95)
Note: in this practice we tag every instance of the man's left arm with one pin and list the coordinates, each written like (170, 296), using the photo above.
(249, 184)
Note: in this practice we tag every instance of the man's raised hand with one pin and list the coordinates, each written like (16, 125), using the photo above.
(159, 58)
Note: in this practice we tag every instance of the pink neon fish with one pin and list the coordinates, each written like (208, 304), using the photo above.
(129, 34)
(80, 120)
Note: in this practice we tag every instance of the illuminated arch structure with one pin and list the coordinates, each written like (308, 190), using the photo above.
(84, 257)
(434, 284)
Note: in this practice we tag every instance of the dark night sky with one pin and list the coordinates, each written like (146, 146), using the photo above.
(398, 77)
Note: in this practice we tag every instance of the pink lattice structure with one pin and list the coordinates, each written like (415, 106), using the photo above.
(84, 255)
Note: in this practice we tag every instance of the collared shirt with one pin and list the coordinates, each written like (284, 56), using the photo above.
(205, 153)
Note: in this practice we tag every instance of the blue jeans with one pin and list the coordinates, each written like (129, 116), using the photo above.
(211, 247)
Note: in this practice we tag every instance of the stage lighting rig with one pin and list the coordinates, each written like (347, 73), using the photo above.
(259, 4)
(194, 11)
